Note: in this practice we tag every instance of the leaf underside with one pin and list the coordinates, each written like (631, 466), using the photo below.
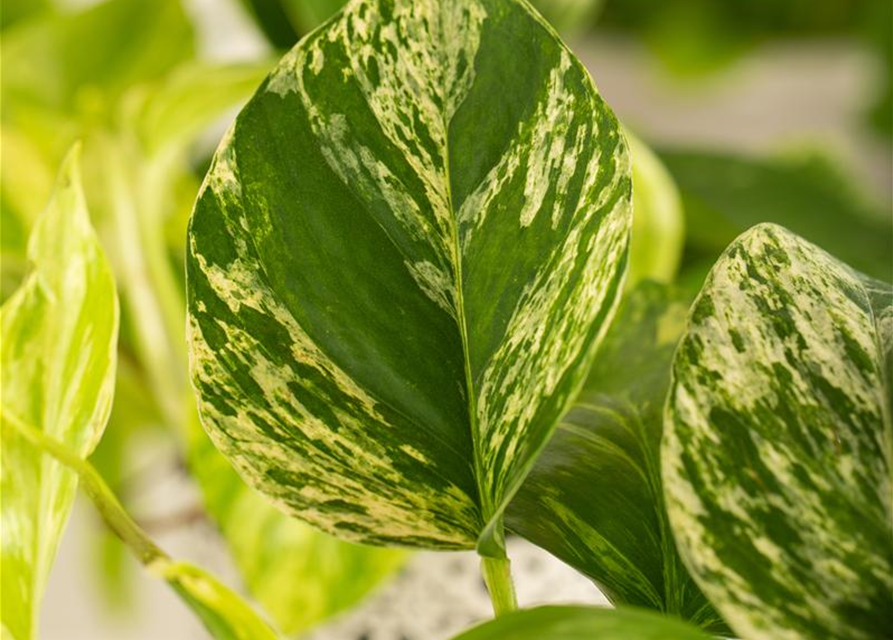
(400, 263)
(594, 497)
(776, 453)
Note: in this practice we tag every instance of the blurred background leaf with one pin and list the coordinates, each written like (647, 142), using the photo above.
(725, 194)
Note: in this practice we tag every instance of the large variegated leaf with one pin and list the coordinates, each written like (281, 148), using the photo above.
(583, 623)
(594, 496)
(300, 576)
(403, 256)
(777, 445)
(59, 335)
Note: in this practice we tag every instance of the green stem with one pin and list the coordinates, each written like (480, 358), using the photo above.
(111, 510)
(498, 577)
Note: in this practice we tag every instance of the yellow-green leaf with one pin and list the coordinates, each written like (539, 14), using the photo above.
(59, 335)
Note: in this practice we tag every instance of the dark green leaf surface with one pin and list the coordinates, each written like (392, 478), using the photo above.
(399, 265)
(594, 497)
(776, 451)
(583, 623)
(59, 336)
(724, 195)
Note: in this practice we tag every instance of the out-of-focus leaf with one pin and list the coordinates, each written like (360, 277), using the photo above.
(25, 182)
(56, 88)
(83, 61)
(225, 615)
(402, 260)
(569, 17)
(16, 10)
(59, 335)
(594, 497)
(691, 37)
(724, 195)
(273, 19)
(179, 107)
(777, 443)
(658, 221)
(285, 21)
(133, 413)
(583, 623)
(298, 574)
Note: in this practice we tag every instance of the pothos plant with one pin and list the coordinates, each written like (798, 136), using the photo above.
(408, 326)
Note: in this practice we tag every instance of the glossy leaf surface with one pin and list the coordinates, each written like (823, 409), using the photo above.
(59, 335)
(776, 452)
(400, 263)
(583, 623)
(594, 497)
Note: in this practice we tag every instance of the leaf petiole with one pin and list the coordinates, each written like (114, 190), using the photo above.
(223, 612)
(498, 577)
(111, 510)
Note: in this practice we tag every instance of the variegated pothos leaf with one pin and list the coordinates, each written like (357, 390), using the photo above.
(777, 443)
(594, 497)
(400, 263)
(59, 339)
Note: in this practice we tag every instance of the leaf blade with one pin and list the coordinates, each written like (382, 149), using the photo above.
(594, 498)
(418, 212)
(788, 532)
(583, 623)
(59, 336)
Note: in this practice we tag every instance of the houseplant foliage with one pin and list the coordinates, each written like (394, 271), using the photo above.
(139, 121)
(776, 459)
(402, 261)
(595, 497)
(66, 311)
(402, 397)
(54, 408)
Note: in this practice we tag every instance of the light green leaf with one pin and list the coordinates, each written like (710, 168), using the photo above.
(59, 334)
(16, 10)
(569, 17)
(225, 615)
(777, 444)
(399, 266)
(594, 497)
(583, 623)
(83, 61)
(300, 575)
(724, 195)
(658, 220)
(180, 106)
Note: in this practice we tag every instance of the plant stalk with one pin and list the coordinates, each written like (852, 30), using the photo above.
(498, 578)
(110, 508)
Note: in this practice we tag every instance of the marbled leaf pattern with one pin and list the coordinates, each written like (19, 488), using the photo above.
(777, 443)
(400, 263)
